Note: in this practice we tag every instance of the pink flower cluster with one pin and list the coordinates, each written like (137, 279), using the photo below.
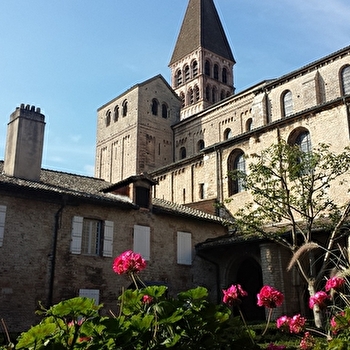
(320, 298)
(233, 295)
(308, 342)
(128, 262)
(270, 297)
(295, 324)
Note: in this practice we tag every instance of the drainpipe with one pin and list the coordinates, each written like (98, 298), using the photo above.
(52, 256)
(347, 113)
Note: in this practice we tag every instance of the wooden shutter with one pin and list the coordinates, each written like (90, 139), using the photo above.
(184, 248)
(108, 239)
(77, 232)
(2, 223)
(142, 235)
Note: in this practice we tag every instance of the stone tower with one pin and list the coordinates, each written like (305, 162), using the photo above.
(202, 61)
(24, 144)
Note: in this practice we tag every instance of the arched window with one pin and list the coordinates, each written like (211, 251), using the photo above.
(287, 103)
(196, 93)
(236, 168)
(179, 78)
(200, 145)
(345, 80)
(182, 96)
(164, 111)
(190, 96)
(194, 68)
(182, 153)
(227, 134)
(125, 108)
(222, 95)
(207, 68)
(214, 94)
(108, 118)
(249, 124)
(303, 140)
(207, 93)
(224, 75)
(216, 72)
(187, 73)
(155, 105)
(116, 113)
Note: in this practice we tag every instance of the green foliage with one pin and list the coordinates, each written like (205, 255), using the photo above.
(188, 322)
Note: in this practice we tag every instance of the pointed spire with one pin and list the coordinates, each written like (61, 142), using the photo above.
(201, 27)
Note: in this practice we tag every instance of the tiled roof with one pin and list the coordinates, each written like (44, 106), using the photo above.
(62, 183)
(163, 206)
(201, 27)
(91, 189)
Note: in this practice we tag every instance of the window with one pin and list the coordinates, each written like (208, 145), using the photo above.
(201, 191)
(125, 108)
(249, 124)
(207, 68)
(216, 72)
(303, 140)
(345, 80)
(142, 235)
(90, 293)
(182, 153)
(222, 94)
(164, 111)
(142, 197)
(196, 92)
(184, 248)
(207, 93)
(214, 94)
(179, 77)
(287, 103)
(224, 75)
(2, 223)
(194, 68)
(116, 113)
(92, 237)
(191, 96)
(187, 73)
(108, 118)
(182, 97)
(155, 105)
(200, 145)
(227, 134)
(236, 165)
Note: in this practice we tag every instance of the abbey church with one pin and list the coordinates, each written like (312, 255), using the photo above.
(189, 135)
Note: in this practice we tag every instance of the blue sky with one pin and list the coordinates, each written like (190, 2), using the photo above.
(69, 57)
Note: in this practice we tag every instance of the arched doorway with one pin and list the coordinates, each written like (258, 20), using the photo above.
(249, 276)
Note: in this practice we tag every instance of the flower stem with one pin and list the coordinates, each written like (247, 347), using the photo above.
(245, 324)
(268, 321)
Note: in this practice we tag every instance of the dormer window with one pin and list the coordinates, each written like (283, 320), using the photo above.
(142, 197)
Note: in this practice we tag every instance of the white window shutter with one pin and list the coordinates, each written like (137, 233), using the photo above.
(184, 248)
(77, 232)
(142, 235)
(108, 239)
(90, 293)
(2, 223)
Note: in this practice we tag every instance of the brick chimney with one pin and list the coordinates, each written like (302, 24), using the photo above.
(24, 143)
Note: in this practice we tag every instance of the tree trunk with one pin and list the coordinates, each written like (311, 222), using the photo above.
(318, 317)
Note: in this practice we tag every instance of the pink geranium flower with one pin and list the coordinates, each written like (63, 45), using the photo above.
(297, 324)
(270, 297)
(308, 342)
(146, 299)
(335, 283)
(128, 262)
(233, 295)
(318, 299)
(283, 323)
